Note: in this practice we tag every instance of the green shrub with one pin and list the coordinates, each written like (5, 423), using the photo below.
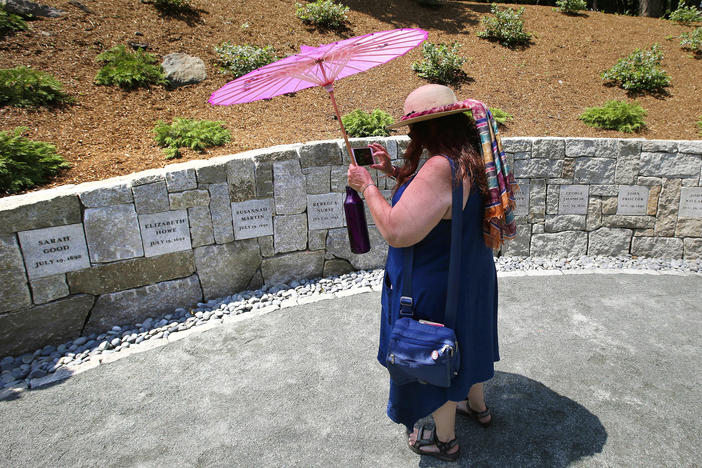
(172, 5)
(685, 15)
(692, 41)
(639, 71)
(242, 59)
(193, 134)
(571, 6)
(441, 63)
(25, 163)
(322, 13)
(506, 27)
(699, 124)
(25, 87)
(127, 69)
(363, 124)
(615, 115)
(9, 22)
(501, 117)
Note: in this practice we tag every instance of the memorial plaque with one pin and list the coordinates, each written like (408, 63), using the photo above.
(573, 199)
(691, 202)
(165, 232)
(325, 211)
(252, 218)
(633, 200)
(521, 198)
(54, 250)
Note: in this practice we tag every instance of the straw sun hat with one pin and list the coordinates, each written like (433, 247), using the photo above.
(429, 102)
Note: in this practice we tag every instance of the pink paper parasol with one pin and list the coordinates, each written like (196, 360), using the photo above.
(320, 66)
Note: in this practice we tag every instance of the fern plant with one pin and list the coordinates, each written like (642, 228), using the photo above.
(194, 134)
(571, 7)
(242, 59)
(692, 41)
(441, 63)
(639, 71)
(501, 117)
(25, 87)
(322, 13)
(9, 22)
(128, 69)
(615, 115)
(25, 163)
(505, 27)
(364, 124)
(686, 15)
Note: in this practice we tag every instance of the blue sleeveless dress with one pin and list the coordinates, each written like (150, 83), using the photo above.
(476, 321)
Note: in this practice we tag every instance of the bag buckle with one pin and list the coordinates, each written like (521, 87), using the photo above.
(406, 306)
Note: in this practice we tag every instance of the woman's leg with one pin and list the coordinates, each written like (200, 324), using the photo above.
(445, 423)
(476, 400)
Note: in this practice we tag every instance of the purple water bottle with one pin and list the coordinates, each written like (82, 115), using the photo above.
(356, 222)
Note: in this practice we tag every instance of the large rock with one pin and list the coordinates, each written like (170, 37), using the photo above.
(36, 210)
(201, 230)
(627, 170)
(549, 148)
(613, 242)
(336, 267)
(241, 176)
(293, 266)
(151, 198)
(670, 164)
(183, 69)
(129, 274)
(135, 305)
(227, 268)
(289, 187)
(529, 168)
(593, 147)
(221, 212)
(688, 227)
(53, 323)
(692, 248)
(562, 244)
(668, 205)
(290, 233)
(565, 223)
(14, 293)
(180, 179)
(320, 153)
(338, 245)
(519, 246)
(49, 288)
(105, 193)
(112, 233)
(317, 180)
(189, 199)
(630, 222)
(662, 247)
(666, 146)
(27, 8)
(516, 145)
(594, 170)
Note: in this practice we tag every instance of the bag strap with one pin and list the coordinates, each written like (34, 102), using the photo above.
(406, 301)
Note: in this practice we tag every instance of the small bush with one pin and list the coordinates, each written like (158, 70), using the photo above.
(172, 5)
(322, 13)
(506, 27)
(692, 41)
(9, 22)
(571, 6)
(363, 124)
(640, 71)
(441, 63)
(501, 117)
(193, 134)
(686, 15)
(615, 115)
(699, 124)
(26, 87)
(127, 69)
(25, 163)
(242, 59)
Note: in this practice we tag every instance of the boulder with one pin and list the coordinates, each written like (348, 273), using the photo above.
(27, 8)
(183, 69)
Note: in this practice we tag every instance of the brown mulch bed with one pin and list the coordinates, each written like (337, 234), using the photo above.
(545, 85)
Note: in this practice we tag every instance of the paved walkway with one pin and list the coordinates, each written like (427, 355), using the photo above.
(596, 370)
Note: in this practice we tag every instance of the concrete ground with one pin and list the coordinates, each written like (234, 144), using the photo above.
(596, 370)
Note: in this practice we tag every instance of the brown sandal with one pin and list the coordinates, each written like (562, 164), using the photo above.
(444, 447)
(477, 415)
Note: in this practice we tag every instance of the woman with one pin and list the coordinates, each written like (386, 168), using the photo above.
(420, 216)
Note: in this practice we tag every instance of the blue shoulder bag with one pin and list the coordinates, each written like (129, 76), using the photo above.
(427, 352)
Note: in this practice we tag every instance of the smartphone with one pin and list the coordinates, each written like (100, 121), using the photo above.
(364, 156)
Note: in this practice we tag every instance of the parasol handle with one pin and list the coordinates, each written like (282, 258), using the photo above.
(330, 89)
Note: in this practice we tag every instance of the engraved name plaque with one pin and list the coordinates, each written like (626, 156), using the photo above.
(633, 200)
(690, 202)
(165, 232)
(573, 199)
(325, 211)
(521, 198)
(54, 250)
(252, 218)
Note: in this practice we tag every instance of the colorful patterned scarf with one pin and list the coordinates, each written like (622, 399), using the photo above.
(498, 219)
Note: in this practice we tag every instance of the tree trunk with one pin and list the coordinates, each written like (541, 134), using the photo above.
(652, 8)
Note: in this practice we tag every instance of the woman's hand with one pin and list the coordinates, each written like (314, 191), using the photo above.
(359, 177)
(381, 159)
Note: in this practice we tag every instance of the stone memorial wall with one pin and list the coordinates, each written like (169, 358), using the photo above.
(80, 259)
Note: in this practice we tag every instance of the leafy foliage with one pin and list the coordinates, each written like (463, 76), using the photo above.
(363, 124)
(571, 6)
(692, 41)
(172, 5)
(25, 163)
(615, 115)
(242, 59)
(127, 69)
(25, 87)
(506, 27)
(9, 22)
(501, 117)
(193, 134)
(699, 124)
(441, 63)
(686, 15)
(639, 71)
(322, 13)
